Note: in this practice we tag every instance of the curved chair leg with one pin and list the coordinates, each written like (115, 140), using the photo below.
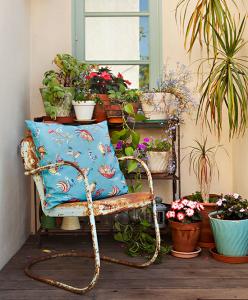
(157, 249)
(62, 285)
(66, 254)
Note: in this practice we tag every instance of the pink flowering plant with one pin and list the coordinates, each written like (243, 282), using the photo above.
(232, 207)
(185, 211)
(102, 80)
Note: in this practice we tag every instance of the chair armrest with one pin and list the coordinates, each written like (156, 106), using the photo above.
(75, 166)
(145, 167)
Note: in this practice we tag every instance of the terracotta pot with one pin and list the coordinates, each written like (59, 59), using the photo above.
(206, 239)
(185, 236)
(99, 112)
(115, 120)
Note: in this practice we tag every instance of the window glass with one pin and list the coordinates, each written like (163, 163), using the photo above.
(116, 5)
(138, 75)
(116, 38)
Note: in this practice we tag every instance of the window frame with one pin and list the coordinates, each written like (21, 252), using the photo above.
(154, 13)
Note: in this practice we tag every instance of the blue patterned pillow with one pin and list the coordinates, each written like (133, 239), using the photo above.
(89, 146)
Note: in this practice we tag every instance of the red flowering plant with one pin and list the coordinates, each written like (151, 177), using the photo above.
(102, 80)
(185, 211)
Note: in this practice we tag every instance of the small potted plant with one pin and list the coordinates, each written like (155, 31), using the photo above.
(84, 105)
(185, 222)
(101, 81)
(202, 161)
(171, 98)
(59, 87)
(118, 99)
(157, 152)
(230, 226)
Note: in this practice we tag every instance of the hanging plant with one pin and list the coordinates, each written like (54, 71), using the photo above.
(226, 86)
(204, 14)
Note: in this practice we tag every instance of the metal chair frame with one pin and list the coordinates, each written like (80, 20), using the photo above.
(88, 208)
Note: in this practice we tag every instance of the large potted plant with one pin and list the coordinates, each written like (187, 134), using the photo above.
(101, 81)
(59, 87)
(202, 161)
(230, 226)
(185, 221)
(171, 98)
(225, 87)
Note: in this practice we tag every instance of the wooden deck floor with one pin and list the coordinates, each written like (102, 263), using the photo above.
(174, 279)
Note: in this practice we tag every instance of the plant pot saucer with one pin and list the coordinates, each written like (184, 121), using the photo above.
(186, 254)
(228, 259)
(85, 121)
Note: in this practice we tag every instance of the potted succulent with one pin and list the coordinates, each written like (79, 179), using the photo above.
(59, 87)
(202, 160)
(230, 226)
(101, 81)
(185, 221)
(171, 98)
(157, 152)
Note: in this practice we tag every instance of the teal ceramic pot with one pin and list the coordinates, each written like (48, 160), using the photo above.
(231, 237)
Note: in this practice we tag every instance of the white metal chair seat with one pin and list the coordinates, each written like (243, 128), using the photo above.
(102, 207)
(89, 208)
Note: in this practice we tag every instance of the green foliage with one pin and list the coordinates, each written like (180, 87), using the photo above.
(157, 145)
(64, 84)
(127, 141)
(227, 84)
(124, 95)
(233, 207)
(138, 240)
(202, 160)
(205, 22)
(197, 196)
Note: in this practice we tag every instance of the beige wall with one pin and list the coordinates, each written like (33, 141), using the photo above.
(14, 97)
(53, 36)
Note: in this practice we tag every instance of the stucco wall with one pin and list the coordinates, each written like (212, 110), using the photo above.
(14, 98)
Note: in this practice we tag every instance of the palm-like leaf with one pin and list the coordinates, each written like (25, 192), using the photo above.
(227, 83)
(204, 13)
(203, 163)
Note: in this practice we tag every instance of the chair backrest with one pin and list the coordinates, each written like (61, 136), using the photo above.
(31, 162)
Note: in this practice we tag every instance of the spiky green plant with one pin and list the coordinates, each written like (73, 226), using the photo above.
(226, 86)
(203, 13)
(202, 161)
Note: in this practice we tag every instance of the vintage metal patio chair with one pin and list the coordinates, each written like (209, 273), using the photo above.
(88, 208)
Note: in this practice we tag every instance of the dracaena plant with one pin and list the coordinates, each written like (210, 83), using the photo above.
(202, 161)
(202, 15)
(226, 85)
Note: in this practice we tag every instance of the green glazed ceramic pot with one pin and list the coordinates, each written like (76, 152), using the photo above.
(231, 237)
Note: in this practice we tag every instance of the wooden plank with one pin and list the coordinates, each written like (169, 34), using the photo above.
(173, 279)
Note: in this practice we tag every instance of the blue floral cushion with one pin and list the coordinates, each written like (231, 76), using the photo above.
(88, 146)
